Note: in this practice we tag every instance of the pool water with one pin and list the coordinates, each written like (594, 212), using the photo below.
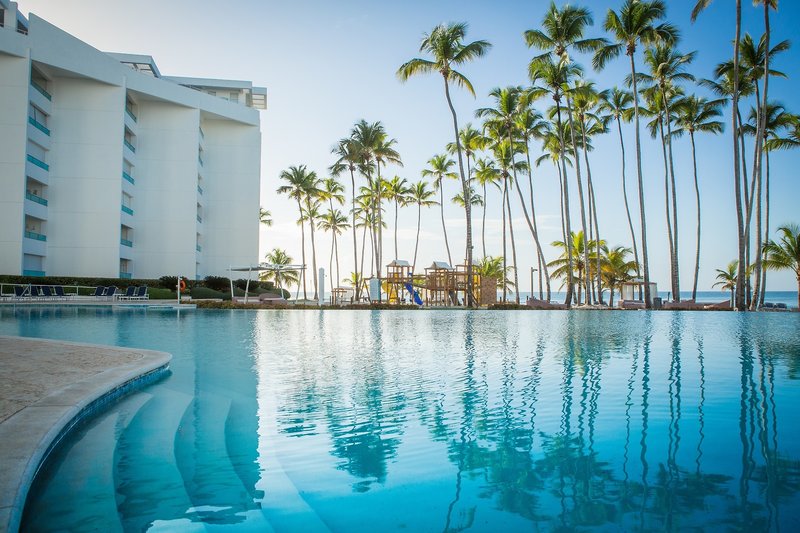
(433, 421)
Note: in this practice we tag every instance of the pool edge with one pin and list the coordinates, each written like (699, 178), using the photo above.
(39, 427)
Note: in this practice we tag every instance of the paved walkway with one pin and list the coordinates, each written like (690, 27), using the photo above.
(43, 386)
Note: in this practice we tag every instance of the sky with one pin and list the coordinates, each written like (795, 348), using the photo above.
(327, 65)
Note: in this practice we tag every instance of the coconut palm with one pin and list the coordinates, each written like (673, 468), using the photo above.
(420, 195)
(492, 267)
(474, 198)
(298, 181)
(445, 44)
(312, 214)
(350, 157)
(264, 217)
(502, 120)
(486, 173)
(561, 264)
(668, 67)
(726, 278)
(471, 141)
(696, 114)
(636, 23)
(785, 254)
(336, 223)
(396, 190)
(549, 78)
(281, 277)
(736, 121)
(617, 103)
(441, 167)
(553, 151)
(617, 268)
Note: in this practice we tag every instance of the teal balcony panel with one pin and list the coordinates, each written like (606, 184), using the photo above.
(33, 198)
(41, 90)
(35, 236)
(39, 126)
(38, 163)
(126, 209)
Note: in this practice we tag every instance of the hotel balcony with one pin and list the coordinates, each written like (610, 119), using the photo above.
(40, 97)
(35, 206)
(34, 243)
(130, 120)
(37, 169)
(38, 133)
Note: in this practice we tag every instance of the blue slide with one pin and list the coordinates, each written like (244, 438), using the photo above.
(414, 294)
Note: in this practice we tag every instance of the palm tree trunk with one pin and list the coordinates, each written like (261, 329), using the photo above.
(645, 262)
(513, 249)
(314, 258)
(303, 247)
(535, 235)
(737, 178)
(467, 206)
(338, 272)
(357, 291)
(674, 265)
(505, 261)
(444, 228)
(396, 209)
(766, 231)
(586, 281)
(379, 228)
(416, 243)
(483, 223)
(593, 217)
(625, 198)
(542, 264)
(469, 183)
(670, 236)
(363, 253)
(330, 261)
(565, 199)
(697, 203)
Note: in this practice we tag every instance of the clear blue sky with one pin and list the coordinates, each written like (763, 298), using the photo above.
(328, 64)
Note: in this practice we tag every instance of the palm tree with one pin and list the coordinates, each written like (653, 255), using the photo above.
(298, 179)
(440, 168)
(617, 103)
(636, 23)
(312, 214)
(280, 276)
(471, 141)
(726, 279)
(667, 67)
(445, 44)
(422, 196)
(617, 268)
(785, 254)
(492, 267)
(336, 223)
(486, 173)
(264, 217)
(502, 119)
(737, 176)
(350, 157)
(697, 115)
(561, 264)
(474, 198)
(396, 190)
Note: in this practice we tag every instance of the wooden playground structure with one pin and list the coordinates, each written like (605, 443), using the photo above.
(442, 285)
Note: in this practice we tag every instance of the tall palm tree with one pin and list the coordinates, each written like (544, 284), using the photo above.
(396, 190)
(617, 103)
(668, 67)
(486, 173)
(312, 214)
(350, 157)
(553, 151)
(298, 180)
(336, 223)
(281, 277)
(472, 140)
(332, 191)
(726, 278)
(785, 254)
(474, 198)
(502, 119)
(737, 176)
(696, 114)
(441, 167)
(445, 44)
(561, 265)
(636, 23)
(549, 78)
(562, 30)
(264, 217)
(617, 268)
(422, 196)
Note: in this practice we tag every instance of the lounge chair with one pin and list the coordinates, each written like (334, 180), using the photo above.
(129, 293)
(781, 306)
(21, 292)
(35, 292)
(46, 294)
(111, 293)
(768, 305)
(99, 292)
(141, 294)
(59, 291)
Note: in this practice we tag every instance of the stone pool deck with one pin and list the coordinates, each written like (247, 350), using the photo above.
(45, 386)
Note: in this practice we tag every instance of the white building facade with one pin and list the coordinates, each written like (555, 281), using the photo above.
(109, 169)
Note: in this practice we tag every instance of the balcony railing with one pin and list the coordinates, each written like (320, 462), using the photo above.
(199, 189)
(126, 209)
(33, 198)
(130, 114)
(38, 163)
(33, 273)
(199, 218)
(35, 236)
(129, 145)
(200, 160)
(41, 90)
(126, 242)
(199, 248)
(126, 275)
(128, 177)
(39, 126)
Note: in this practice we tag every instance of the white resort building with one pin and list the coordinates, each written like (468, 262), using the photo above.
(110, 169)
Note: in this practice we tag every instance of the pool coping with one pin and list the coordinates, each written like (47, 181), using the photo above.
(28, 436)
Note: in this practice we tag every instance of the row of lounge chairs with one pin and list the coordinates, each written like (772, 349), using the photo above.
(132, 293)
(41, 292)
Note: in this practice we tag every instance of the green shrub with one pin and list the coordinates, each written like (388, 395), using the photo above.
(217, 283)
(205, 293)
(158, 293)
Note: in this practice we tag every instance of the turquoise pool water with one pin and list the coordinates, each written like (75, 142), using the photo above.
(434, 421)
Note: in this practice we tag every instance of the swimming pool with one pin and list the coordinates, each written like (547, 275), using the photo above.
(433, 420)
